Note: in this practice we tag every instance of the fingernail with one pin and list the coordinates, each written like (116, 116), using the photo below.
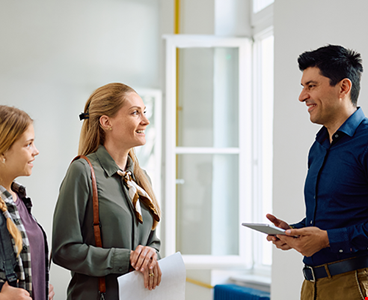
(142, 270)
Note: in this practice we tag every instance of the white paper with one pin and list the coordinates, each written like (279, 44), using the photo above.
(172, 286)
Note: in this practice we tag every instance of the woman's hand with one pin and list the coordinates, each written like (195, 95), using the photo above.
(11, 293)
(152, 278)
(51, 292)
(144, 260)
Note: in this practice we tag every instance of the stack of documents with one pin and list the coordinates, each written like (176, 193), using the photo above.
(172, 286)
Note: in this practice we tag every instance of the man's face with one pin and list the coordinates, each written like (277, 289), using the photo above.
(321, 98)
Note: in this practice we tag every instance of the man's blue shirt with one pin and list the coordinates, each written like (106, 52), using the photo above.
(336, 190)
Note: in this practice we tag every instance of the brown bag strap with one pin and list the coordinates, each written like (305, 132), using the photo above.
(96, 220)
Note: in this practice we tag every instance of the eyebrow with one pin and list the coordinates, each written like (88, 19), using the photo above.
(309, 82)
(138, 107)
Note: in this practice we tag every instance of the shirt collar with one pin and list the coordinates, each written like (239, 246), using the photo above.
(348, 127)
(5, 195)
(108, 163)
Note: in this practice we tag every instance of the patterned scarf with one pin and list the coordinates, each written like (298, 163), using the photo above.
(137, 194)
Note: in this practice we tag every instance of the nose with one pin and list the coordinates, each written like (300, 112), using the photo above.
(35, 151)
(145, 120)
(303, 95)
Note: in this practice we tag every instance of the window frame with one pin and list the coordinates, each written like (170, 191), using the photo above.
(173, 42)
(258, 147)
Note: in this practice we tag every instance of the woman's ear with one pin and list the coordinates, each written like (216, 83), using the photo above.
(105, 122)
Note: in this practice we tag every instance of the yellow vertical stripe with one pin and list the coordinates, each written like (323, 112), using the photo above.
(177, 17)
(177, 31)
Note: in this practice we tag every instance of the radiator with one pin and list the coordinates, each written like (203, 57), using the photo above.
(236, 292)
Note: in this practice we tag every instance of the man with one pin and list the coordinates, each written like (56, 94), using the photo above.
(333, 236)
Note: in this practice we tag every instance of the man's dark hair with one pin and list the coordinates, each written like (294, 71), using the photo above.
(336, 63)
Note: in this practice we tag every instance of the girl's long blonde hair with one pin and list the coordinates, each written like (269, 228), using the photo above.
(13, 123)
(107, 100)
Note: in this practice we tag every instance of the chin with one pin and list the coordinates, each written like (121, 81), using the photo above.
(27, 172)
(141, 143)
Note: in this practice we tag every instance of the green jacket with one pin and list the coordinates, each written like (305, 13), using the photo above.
(73, 242)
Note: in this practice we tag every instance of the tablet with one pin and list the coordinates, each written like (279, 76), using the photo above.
(265, 228)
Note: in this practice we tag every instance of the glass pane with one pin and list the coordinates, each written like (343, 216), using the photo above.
(207, 204)
(267, 136)
(261, 4)
(208, 97)
(147, 154)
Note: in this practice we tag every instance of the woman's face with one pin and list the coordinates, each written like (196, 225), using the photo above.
(19, 157)
(129, 124)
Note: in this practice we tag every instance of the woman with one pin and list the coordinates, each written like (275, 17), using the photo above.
(27, 238)
(114, 123)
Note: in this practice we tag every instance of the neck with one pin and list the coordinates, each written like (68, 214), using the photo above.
(336, 124)
(119, 156)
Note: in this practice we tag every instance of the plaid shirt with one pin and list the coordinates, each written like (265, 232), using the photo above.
(23, 269)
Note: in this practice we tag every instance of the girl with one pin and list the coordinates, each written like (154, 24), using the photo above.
(27, 278)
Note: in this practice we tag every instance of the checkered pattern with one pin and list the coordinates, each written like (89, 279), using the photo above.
(23, 270)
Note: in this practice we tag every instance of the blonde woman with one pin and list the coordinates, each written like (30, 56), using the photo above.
(114, 121)
(27, 277)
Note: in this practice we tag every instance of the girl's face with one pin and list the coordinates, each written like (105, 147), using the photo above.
(19, 157)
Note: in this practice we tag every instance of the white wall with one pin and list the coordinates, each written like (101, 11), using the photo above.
(53, 55)
(300, 26)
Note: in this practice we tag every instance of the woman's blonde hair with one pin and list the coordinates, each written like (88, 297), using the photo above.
(107, 100)
(13, 123)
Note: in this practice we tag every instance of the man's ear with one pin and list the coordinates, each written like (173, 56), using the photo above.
(345, 88)
(105, 122)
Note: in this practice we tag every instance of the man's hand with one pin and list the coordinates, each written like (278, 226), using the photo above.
(277, 222)
(274, 239)
(309, 240)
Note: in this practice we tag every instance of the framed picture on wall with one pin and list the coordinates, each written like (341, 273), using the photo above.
(149, 155)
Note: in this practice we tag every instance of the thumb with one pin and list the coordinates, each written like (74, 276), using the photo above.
(272, 218)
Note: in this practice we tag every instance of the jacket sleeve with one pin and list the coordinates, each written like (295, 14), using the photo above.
(349, 239)
(70, 249)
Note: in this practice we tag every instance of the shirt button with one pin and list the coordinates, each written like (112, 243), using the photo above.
(336, 135)
(120, 269)
(341, 250)
(311, 222)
